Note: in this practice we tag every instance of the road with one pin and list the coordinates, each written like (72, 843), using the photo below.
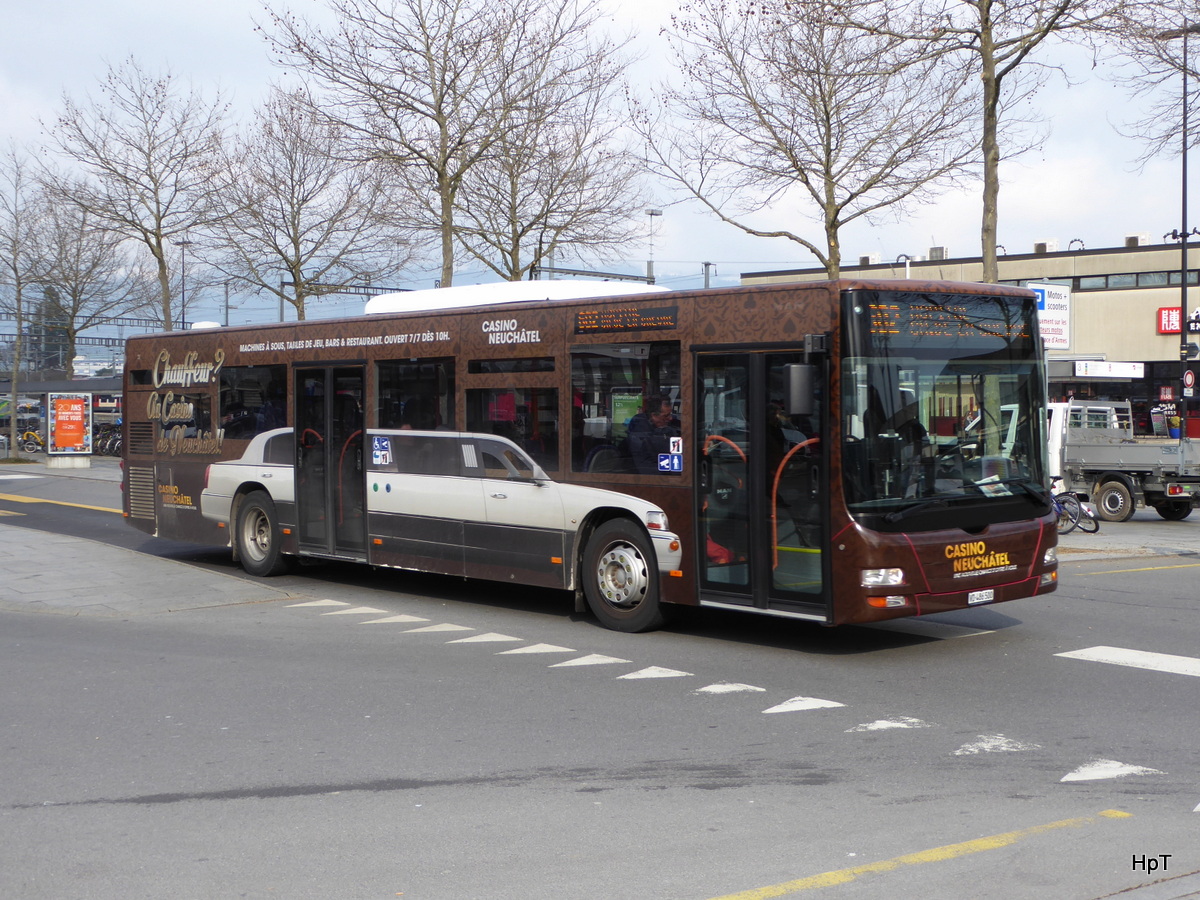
(359, 734)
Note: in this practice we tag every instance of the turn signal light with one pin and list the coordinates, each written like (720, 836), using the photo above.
(890, 602)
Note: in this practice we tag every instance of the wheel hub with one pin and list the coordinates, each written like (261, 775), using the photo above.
(621, 577)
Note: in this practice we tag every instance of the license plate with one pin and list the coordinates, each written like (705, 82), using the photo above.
(985, 596)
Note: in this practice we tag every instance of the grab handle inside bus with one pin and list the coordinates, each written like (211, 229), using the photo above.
(799, 386)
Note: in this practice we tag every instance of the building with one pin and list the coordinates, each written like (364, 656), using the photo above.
(1119, 337)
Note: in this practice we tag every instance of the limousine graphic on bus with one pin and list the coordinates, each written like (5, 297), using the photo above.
(473, 505)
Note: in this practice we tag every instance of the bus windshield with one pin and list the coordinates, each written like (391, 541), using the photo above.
(941, 402)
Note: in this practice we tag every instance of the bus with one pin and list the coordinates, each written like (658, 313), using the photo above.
(839, 452)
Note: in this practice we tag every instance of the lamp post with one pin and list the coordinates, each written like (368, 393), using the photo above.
(183, 245)
(652, 213)
(1182, 234)
(907, 259)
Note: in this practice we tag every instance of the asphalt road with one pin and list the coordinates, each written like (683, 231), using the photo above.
(357, 734)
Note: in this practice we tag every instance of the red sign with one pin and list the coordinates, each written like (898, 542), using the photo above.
(1168, 321)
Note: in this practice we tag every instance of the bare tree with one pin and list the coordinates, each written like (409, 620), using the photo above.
(1159, 53)
(998, 39)
(90, 276)
(432, 86)
(148, 150)
(20, 261)
(294, 206)
(783, 107)
(560, 184)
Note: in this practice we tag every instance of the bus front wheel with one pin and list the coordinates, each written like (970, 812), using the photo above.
(258, 536)
(620, 578)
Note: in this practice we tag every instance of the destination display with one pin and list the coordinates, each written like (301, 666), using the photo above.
(627, 318)
(947, 320)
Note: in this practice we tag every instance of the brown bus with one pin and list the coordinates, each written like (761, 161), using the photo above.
(836, 452)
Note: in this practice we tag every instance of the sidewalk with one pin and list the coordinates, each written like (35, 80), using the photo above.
(62, 574)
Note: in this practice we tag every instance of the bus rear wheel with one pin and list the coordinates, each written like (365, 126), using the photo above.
(620, 578)
(258, 538)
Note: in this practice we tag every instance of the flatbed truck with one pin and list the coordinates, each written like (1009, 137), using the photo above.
(1093, 450)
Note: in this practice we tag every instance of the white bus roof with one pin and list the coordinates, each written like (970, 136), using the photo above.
(502, 292)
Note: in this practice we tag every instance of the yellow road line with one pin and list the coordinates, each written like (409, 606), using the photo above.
(17, 498)
(937, 854)
(1144, 569)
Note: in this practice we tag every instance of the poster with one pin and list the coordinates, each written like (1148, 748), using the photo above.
(70, 423)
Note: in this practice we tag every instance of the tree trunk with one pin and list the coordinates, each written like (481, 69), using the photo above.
(990, 146)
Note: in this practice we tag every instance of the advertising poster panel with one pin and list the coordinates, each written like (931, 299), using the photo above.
(70, 424)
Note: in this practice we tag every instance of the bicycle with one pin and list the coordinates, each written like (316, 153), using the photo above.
(1089, 522)
(32, 441)
(1067, 509)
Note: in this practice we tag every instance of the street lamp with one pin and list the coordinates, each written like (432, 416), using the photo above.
(183, 245)
(1182, 234)
(650, 263)
(907, 259)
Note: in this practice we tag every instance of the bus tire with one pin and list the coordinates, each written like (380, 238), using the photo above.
(258, 537)
(1114, 502)
(1174, 510)
(620, 578)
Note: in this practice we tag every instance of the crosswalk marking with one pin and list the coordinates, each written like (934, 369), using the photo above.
(1138, 659)
(656, 672)
(446, 626)
(728, 687)
(490, 638)
(538, 648)
(592, 659)
(1107, 768)
(356, 611)
(390, 619)
(798, 704)
(319, 603)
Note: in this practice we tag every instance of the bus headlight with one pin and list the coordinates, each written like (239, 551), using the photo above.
(1050, 558)
(882, 577)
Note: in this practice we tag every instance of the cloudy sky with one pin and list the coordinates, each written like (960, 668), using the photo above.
(1081, 185)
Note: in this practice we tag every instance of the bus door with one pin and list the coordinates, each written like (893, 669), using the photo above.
(330, 481)
(760, 501)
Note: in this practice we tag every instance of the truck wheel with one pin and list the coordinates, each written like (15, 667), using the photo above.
(258, 536)
(620, 578)
(1114, 503)
(1174, 510)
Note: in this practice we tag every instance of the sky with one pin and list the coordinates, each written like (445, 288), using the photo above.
(1081, 186)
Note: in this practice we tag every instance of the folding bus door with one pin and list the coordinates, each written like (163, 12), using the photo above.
(329, 461)
(760, 500)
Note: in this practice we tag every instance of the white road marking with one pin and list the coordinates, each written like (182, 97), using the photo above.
(797, 704)
(17, 477)
(886, 724)
(443, 627)
(727, 687)
(490, 638)
(994, 743)
(538, 648)
(356, 611)
(592, 659)
(656, 672)
(389, 619)
(1107, 768)
(1138, 659)
(319, 603)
